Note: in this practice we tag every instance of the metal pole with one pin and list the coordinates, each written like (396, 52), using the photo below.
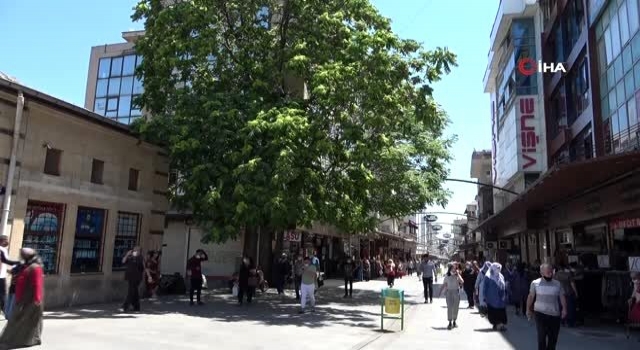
(258, 248)
(188, 248)
(6, 203)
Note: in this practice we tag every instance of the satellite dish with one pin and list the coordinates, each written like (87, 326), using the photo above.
(436, 227)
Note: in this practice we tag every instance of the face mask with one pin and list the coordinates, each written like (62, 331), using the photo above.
(547, 278)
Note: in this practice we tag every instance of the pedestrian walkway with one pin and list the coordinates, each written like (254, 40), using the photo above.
(427, 324)
(272, 322)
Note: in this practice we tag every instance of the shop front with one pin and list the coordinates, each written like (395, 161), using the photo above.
(329, 249)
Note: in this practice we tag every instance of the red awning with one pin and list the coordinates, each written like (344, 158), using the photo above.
(563, 182)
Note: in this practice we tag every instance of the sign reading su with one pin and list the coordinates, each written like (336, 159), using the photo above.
(292, 236)
(529, 138)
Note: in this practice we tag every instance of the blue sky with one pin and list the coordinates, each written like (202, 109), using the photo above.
(47, 45)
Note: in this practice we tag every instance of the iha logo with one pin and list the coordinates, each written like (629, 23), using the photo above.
(527, 66)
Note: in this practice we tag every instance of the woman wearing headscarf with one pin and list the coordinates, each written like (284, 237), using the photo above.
(519, 289)
(495, 295)
(482, 305)
(24, 327)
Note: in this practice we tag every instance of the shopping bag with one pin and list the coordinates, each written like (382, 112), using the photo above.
(234, 290)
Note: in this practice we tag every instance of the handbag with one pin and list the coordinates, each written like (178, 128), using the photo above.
(320, 281)
(253, 281)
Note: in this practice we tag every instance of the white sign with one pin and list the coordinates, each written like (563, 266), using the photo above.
(573, 259)
(634, 263)
(603, 261)
(292, 236)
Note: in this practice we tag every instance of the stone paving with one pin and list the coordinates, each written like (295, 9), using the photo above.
(273, 323)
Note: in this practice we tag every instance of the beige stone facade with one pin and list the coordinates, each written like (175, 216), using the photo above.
(80, 270)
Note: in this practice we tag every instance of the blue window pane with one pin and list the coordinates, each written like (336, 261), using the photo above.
(111, 114)
(104, 67)
(101, 87)
(112, 104)
(100, 106)
(137, 86)
(139, 60)
(116, 67)
(136, 112)
(114, 86)
(124, 106)
(129, 65)
(126, 85)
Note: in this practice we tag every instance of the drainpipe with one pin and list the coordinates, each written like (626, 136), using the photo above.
(6, 203)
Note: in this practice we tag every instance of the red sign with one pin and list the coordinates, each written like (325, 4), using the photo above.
(292, 236)
(528, 137)
(618, 224)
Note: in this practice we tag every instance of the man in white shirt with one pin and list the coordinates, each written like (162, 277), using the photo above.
(4, 261)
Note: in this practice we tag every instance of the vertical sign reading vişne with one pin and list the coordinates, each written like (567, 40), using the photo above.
(529, 134)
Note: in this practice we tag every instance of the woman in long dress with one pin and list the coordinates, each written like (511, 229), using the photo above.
(482, 305)
(495, 294)
(24, 327)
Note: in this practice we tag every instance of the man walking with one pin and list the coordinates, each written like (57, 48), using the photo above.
(134, 271)
(298, 267)
(194, 269)
(542, 304)
(308, 286)
(428, 270)
(4, 261)
(348, 269)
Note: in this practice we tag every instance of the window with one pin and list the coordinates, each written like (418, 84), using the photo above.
(116, 80)
(43, 224)
(624, 24)
(133, 179)
(97, 170)
(52, 161)
(127, 230)
(615, 35)
(87, 245)
(634, 20)
(632, 112)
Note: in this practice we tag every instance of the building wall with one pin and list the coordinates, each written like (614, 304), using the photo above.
(81, 141)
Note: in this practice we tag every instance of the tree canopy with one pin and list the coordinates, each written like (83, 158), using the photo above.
(281, 113)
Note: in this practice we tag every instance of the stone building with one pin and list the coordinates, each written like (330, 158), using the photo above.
(85, 190)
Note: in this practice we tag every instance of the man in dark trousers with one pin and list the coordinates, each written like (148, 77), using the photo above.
(194, 269)
(4, 261)
(469, 276)
(428, 271)
(348, 269)
(134, 271)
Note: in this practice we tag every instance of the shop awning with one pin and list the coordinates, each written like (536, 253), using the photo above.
(563, 182)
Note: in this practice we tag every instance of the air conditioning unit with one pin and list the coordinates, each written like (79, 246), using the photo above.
(491, 245)
(504, 245)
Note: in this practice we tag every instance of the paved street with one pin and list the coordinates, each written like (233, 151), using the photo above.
(273, 322)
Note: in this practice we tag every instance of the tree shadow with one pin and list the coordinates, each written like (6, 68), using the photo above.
(267, 309)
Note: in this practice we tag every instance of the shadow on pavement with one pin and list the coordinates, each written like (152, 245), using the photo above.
(267, 308)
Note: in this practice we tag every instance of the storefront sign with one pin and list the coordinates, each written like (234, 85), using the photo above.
(529, 138)
(430, 218)
(292, 236)
(603, 261)
(618, 224)
(634, 263)
(436, 227)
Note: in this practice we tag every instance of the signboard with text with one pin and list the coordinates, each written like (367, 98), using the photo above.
(292, 236)
(618, 224)
(528, 123)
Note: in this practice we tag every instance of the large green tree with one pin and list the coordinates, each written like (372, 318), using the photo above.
(279, 113)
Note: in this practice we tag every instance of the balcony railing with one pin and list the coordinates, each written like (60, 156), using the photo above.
(625, 141)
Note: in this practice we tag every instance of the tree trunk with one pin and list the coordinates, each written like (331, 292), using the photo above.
(262, 237)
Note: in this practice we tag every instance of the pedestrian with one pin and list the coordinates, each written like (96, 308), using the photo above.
(194, 269)
(247, 280)
(634, 301)
(308, 286)
(412, 266)
(542, 304)
(348, 268)
(152, 273)
(428, 271)
(280, 273)
(4, 264)
(566, 279)
(519, 287)
(482, 304)
(11, 300)
(133, 274)
(24, 328)
(495, 295)
(298, 266)
(451, 288)
(366, 265)
(390, 270)
(469, 276)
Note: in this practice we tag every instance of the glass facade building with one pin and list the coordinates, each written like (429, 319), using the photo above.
(618, 44)
(117, 87)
